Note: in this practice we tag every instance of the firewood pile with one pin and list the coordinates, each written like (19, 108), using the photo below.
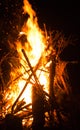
(45, 109)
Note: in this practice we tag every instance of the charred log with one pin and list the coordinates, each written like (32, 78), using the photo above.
(38, 110)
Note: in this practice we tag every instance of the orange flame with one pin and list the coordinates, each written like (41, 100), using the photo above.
(34, 47)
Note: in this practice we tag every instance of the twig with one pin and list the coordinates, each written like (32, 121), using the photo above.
(28, 80)
(29, 64)
(21, 92)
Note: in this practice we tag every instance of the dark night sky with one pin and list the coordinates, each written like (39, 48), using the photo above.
(62, 15)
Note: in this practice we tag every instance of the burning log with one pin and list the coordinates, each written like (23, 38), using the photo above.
(51, 90)
(37, 109)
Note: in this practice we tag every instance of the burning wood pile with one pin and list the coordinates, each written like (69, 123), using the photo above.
(43, 107)
(37, 76)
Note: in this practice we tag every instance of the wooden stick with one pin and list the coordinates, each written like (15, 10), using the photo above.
(28, 80)
(51, 90)
(21, 92)
(29, 64)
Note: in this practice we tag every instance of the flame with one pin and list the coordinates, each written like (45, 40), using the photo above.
(34, 47)
(35, 44)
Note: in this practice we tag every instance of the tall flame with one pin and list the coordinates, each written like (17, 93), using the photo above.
(34, 47)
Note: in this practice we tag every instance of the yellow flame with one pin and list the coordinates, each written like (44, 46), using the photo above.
(34, 48)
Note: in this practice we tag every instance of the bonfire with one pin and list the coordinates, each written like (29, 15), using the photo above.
(38, 77)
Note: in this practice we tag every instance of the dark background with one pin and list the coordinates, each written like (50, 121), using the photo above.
(63, 15)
